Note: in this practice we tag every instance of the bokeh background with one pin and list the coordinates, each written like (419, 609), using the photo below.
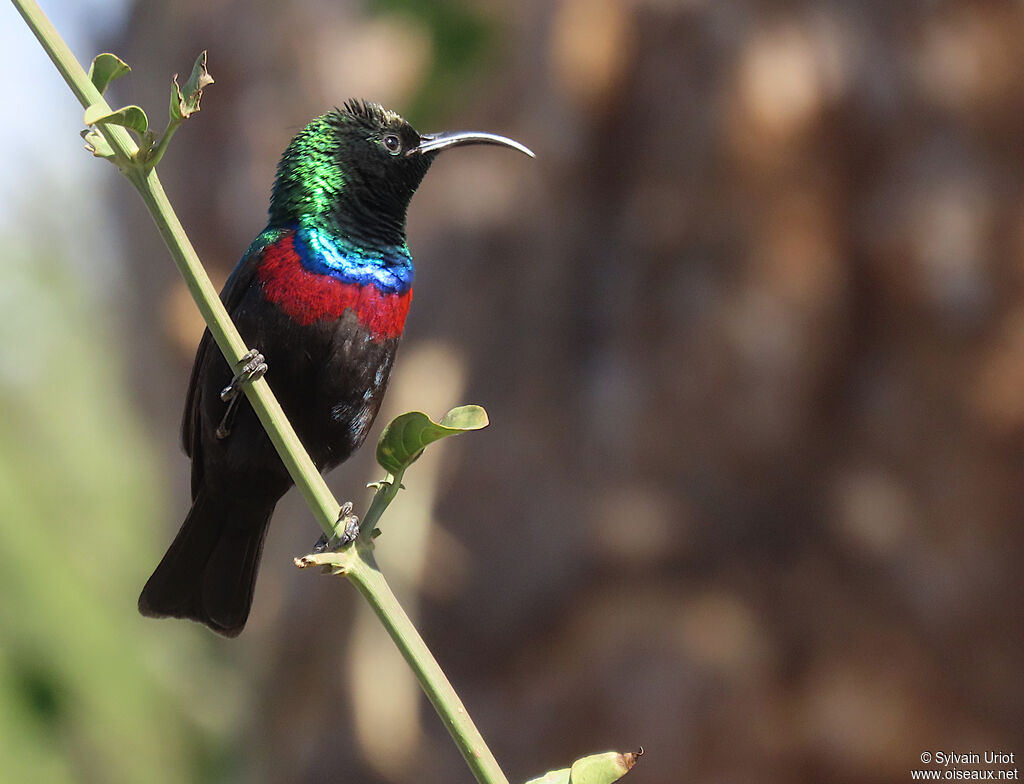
(751, 334)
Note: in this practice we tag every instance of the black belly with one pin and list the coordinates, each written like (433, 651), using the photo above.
(330, 379)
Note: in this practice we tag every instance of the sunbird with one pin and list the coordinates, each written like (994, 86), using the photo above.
(321, 296)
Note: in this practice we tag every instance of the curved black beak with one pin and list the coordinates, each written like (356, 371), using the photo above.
(435, 142)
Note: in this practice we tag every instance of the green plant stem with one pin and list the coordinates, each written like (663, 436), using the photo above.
(387, 489)
(363, 571)
(161, 146)
(361, 566)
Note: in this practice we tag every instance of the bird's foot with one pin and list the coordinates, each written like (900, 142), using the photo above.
(348, 524)
(254, 366)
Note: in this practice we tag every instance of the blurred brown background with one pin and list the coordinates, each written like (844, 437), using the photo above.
(750, 330)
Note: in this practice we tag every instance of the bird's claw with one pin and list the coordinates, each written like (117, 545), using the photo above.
(348, 524)
(254, 366)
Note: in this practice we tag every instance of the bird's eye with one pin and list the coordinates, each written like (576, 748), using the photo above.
(393, 144)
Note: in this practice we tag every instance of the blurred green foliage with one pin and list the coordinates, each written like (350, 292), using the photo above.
(462, 39)
(81, 695)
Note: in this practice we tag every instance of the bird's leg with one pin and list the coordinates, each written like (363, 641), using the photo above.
(224, 428)
(349, 525)
(254, 366)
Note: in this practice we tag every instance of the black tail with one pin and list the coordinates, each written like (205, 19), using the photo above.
(209, 572)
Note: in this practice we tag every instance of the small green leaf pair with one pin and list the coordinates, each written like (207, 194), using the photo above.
(595, 769)
(105, 69)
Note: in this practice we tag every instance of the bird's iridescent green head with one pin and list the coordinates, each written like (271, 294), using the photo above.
(353, 172)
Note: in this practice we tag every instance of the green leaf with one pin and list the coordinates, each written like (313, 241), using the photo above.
(406, 436)
(106, 68)
(595, 769)
(552, 777)
(96, 144)
(602, 768)
(128, 116)
(185, 100)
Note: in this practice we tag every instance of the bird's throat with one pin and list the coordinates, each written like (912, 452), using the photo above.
(314, 278)
(388, 267)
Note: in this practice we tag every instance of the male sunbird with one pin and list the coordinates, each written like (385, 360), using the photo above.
(322, 294)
